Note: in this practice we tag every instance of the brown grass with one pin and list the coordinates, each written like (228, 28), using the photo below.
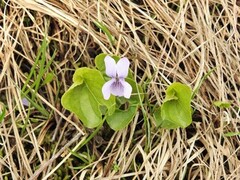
(166, 42)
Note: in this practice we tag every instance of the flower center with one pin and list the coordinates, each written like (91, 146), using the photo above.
(117, 83)
(116, 77)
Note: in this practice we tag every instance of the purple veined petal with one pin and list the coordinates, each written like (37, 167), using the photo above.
(122, 67)
(110, 65)
(127, 89)
(117, 88)
(106, 89)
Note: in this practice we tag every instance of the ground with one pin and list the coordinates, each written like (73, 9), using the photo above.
(196, 43)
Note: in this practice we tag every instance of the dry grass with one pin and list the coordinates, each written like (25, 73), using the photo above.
(177, 41)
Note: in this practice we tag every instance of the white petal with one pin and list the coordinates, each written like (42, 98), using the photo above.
(122, 67)
(127, 89)
(110, 65)
(106, 89)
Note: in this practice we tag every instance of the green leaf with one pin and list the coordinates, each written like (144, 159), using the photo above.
(176, 111)
(106, 31)
(78, 76)
(121, 118)
(230, 134)
(99, 61)
(85, 99)
(171, 95)
(2, 112)
(82, 103)
(222, 104)
(94, 81)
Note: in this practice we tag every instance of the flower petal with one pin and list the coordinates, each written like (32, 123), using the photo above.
(106, 89)
(117, 88)
(122, 67)
(110, 65)
(25, 102)
(127, 89)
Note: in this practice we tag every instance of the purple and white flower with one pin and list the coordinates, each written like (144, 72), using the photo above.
(117, 86)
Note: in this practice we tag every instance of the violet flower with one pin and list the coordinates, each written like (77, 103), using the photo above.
(117, 86)
(25, 102)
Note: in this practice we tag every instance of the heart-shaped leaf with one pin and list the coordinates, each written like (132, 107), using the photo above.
(176, 111)
(80, 101)
(85, 99)
(94, 81)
